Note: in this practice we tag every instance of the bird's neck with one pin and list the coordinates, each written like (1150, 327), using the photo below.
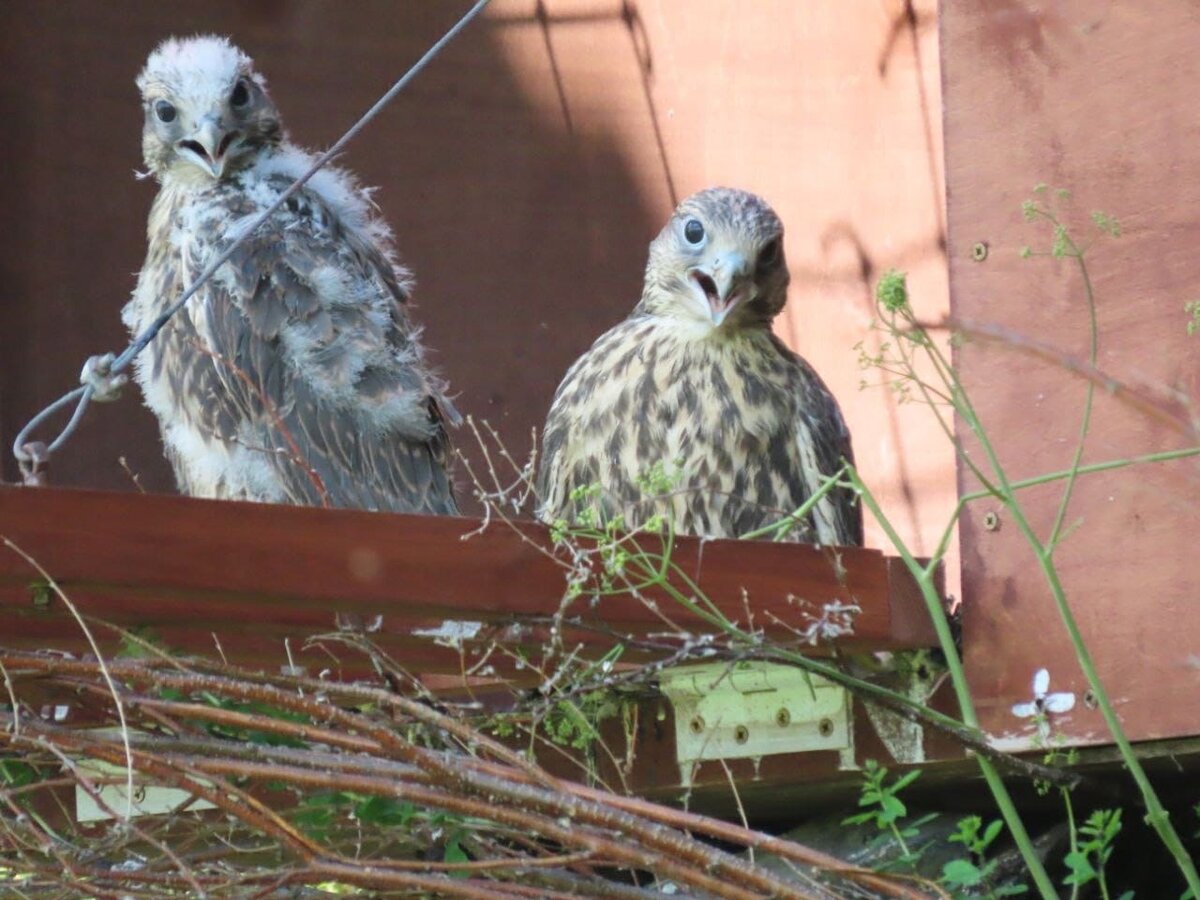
(702, 333)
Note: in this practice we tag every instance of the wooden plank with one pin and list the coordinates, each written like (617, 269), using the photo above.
(1096, 99)
(254, 573)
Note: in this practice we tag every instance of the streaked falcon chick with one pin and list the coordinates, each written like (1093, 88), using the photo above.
(695, 385)
(294, 375)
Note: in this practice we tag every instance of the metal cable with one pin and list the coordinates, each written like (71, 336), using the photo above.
(33, 457)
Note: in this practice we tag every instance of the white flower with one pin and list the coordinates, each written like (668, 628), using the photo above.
(1044, 703)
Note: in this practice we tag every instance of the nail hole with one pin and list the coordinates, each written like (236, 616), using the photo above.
(825, 727)
(697, 725)
(1089, 700)
(783, 718)
(741, 734)
(991, 521)
(979, 251)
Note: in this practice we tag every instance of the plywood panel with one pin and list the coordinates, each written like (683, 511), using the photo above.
(254, 575)
(524, 174)
(1098, 99)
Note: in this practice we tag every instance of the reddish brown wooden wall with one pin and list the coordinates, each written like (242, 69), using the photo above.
(1098, 99)
(524, 174)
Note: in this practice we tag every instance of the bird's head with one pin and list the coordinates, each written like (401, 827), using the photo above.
(718, 262)
(207, 111)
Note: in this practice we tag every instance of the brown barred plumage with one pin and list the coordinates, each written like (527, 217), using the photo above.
(294, 374)
(694, 382)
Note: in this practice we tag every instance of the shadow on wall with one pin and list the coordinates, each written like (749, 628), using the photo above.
(525, 230)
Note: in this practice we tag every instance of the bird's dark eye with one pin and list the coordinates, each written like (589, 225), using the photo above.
(165, 111)
(241, 93)
(769, 255)
(693, 231)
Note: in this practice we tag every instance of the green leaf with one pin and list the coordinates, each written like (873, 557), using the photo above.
(968, 828)
(922, 821)
(314, 820)
(961, 873)
(316, 812)
(455, 854)
(1011, 890)
(15, 773)
(892, 808)
(990, 834)
(384, 811)
(328, 798)
(1082, 870)
(905, 780)
(859, 819)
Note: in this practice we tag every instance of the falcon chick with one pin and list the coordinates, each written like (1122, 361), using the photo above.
(294, 374)
(695, 385)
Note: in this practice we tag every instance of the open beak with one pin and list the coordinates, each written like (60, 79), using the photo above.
(725, 285)
(209, 145)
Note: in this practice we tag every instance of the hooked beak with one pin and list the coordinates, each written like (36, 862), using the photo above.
(724, 286)
(208, 146)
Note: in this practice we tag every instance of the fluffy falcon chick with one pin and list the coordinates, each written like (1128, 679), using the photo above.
(694, 385)
(294, 374)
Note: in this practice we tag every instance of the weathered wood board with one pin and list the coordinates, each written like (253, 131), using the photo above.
(1097, 99)
(214, 577)
(249, 583)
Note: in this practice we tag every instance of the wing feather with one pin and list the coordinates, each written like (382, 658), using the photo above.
(307, 335)
(822, 444)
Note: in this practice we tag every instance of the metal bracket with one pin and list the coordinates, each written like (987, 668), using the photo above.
(148, 799)
(749, 710)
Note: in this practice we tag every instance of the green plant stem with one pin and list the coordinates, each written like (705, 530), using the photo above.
(962, 691)
(1156, 814)
(775, 529)
(817, 667)
(905, 853)
(1088, 397)
(1050, 478)
(954, 389)
(1072, 833)
(660, 572)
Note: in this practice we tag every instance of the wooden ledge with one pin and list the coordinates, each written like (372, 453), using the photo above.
(191, 573)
